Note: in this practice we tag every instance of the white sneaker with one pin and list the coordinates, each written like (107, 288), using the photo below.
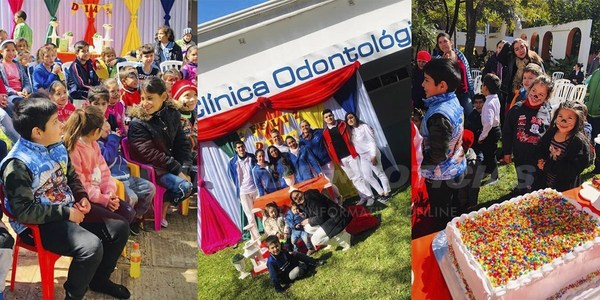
(361, 202)
(164, 224)
(371, 201)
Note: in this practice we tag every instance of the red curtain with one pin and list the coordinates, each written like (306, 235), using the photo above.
(91, 19)
(217, 230)
(15, 6)
(305, 95)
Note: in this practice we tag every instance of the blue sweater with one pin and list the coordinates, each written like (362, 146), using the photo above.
(316, 144)
(263, 179)
(114, 159)
(303, 163)
(279, 268)
(42, 78)
(291, 220)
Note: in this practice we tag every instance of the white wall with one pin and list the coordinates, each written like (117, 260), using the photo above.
(150, 17)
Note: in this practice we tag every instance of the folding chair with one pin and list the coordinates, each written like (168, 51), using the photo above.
(46, 258)
(475, 73)
(578, 93)
(170, 64)
(477, 84)
(557, 75)
(125, 64)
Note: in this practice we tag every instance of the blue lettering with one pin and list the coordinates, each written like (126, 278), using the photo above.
(341, 57)
(325, 66)
(261, 88)
(290, 78)
(347, 51)
(308, 71)
(232, 95)
(242, 98)
(405, 40)
(224, 96)
(361, 46)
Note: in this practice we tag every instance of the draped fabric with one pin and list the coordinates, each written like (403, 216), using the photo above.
(91, 20)
(219, 231)
(346, 95)
(15, 6)
(52, 6)
(313, 115)
(297, 98)
(167, 5)
(132, 39)
(226, 143)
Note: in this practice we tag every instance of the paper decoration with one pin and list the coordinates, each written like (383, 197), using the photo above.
(91, 8)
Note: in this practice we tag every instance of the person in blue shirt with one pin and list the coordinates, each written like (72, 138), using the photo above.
(293, 219)
(264, 174)
(304, 161)
(285, 267)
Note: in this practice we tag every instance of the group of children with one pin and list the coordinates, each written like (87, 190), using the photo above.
(549, 147)
(64, 161)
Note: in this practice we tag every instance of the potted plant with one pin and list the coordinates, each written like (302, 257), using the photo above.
(66, 42)
(98, 42)
(240, 265)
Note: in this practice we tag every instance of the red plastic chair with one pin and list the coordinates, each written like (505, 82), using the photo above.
(46, 258)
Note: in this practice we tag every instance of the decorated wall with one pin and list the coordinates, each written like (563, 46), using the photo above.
(72, 16)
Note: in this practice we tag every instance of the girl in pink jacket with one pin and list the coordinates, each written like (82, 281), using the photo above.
(82, 130)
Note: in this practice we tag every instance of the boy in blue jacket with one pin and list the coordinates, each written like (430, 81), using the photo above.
(293, 219)
(285, 267)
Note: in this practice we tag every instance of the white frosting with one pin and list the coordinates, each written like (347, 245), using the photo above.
(538, 284)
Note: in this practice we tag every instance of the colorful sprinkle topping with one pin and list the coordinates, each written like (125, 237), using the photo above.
(519, 237)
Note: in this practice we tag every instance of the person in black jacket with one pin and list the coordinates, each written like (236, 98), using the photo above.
(577, 74)
(156, 137)
(325, 220)
(284, 267)
(564, 149)
(166, 48)
(81, 75)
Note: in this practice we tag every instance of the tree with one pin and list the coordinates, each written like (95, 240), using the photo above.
(573, 10)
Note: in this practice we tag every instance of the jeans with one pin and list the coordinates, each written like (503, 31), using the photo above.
(95, 246)
(139, 193)
(301, 234)
(177, 188)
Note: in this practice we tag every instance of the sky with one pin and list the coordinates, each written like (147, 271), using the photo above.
(212, 9)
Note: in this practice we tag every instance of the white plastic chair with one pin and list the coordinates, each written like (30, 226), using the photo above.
(477, 84)
(475, 73)
(562, 92)
(30, 67)
(170, 64)
(123, 64)
(557, 75)
(578, 93)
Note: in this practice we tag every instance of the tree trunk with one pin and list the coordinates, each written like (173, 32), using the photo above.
(454, 18)
(447, 17)
(472, 15)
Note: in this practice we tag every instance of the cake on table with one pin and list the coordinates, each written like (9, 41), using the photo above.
(536, 246)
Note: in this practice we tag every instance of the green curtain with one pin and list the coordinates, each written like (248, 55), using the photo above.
(225, 143)
(52, 6)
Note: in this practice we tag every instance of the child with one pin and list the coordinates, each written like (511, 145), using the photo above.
(166, 48)
(285, 267)
(273, 222)
(22, 30)
(24, 58)
(185, 94)
(3, 35)
(190, 64)
(14, 76)
(564, 150)
(473, 122)
(490, 119)
(157, 138)
(98, 96)
(148, 68)
(43, 188)
(115, 113)
(293, 220)
(524, 126)
(469, 194)
(442, 129)
(47, 71)
(171, 76)
(130, 95)
(186, 40)
(106, 64)
(264, 174)
(82, 130)
(530, 73)
(58, 95)
(81, 73)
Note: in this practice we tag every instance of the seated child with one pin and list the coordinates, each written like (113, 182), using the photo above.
(186, 40)
(6, 252)
(24, 57)
(58, 95)
(185, 94)
(190, 66)
(285, 267)
(171, 76)
(530, 73)
(14, 76)
(293, 219)
(130, 94)
(157, 138)
(81, 75)
(106, 64)
(43, 188)
(82, 130)
(47, 71)
(115, 113)
(21, 44)
(273, 222)
(148, 68)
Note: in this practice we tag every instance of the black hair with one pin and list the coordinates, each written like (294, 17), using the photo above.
(257, 151)
(21, 14)
(272, 159)
(479, 96)
(272, 239)
(326, 111)
(358, 121)
(80, 45)
(289, 137)
(34, 112)
(501, 42)
(238, 142)
(168, 31)
(491, 82)
(444, 69)
(98, 92)
(153, 85)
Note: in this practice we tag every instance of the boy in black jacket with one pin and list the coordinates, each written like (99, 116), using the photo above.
(285, 267)
(81, 75)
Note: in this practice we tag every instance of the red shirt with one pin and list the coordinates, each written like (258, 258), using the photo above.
(65, 112)
(130, 98)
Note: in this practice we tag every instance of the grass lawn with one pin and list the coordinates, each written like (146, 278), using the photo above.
(376, 267)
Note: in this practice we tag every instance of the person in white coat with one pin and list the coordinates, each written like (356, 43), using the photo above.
(364, 142)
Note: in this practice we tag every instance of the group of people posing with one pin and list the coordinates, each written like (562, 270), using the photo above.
(550, 146)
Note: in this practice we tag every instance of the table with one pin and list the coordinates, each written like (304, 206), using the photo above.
(429, 282)
(282, 196)
(70, 56)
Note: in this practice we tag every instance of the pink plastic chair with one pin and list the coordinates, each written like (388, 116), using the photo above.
(160, 191)
(46, 258)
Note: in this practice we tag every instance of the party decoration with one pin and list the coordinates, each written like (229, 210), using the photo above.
(91, 8)
(132, 38)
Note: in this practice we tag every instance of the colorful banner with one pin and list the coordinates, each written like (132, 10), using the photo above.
(91, 8)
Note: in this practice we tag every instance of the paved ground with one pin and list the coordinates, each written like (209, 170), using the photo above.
(168, 265)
